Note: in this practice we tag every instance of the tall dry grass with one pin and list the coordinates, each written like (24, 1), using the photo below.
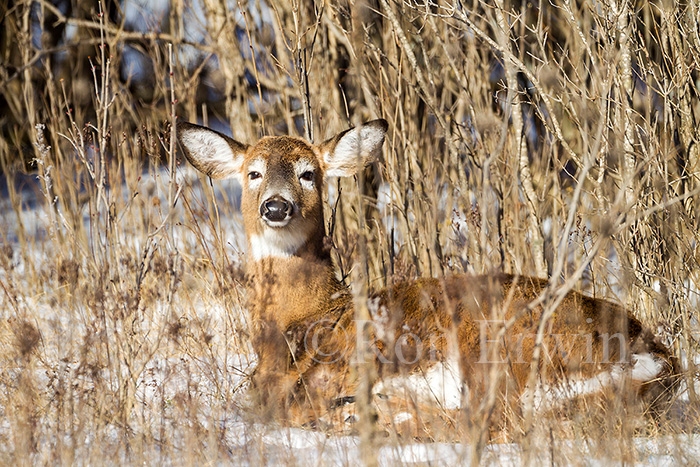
(553, 139)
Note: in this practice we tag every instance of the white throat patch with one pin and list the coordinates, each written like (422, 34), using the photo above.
(277, 243)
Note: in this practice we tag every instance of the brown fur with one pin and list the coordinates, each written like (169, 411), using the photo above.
(431, 307)
(303, 318)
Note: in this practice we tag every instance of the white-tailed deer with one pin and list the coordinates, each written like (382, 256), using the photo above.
(435, 340)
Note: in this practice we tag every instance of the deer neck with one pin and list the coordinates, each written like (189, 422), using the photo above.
(288, 287)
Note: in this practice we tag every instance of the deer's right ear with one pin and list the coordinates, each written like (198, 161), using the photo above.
(210, 152)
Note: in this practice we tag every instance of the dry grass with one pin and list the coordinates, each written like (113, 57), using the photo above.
(560, 142)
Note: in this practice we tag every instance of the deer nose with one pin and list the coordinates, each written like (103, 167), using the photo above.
(276, 209)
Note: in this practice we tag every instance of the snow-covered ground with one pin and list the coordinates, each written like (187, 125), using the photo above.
(217, 379)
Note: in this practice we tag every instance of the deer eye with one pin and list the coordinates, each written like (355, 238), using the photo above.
(307, 176)
(253, 175)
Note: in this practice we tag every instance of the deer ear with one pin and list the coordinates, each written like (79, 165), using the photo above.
(210, 152)
(350, 151)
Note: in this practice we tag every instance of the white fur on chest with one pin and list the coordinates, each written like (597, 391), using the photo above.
(276, 243)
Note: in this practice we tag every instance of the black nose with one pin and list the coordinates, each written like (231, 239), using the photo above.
(276, 209)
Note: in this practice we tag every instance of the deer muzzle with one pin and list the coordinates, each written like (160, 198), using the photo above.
(276, 209)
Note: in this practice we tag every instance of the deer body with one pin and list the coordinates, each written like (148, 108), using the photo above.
(434, 340)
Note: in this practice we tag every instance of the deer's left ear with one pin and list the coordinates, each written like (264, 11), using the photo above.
(350, 151)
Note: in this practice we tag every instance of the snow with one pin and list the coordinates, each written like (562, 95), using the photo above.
(222, 375)
(302, 446)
